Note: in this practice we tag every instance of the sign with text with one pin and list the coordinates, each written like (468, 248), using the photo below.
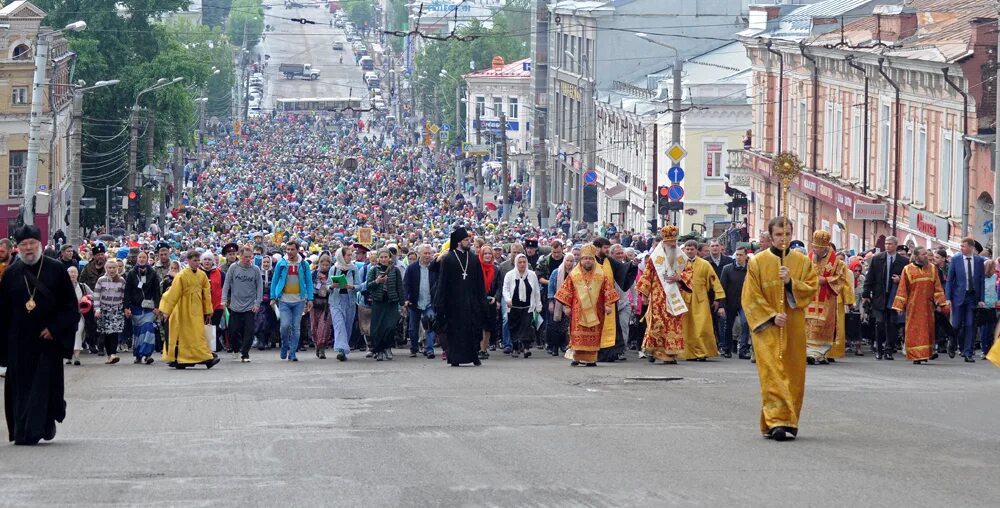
(930, 225)
(870, 211)
(474, 149)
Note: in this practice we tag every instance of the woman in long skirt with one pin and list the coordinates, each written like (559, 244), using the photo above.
(494, 283)
(142, 299)
(385, 285)
(520, 290)
(343, 303)
(82, 290)
(109, 308)
(319, 316)
(266, 322)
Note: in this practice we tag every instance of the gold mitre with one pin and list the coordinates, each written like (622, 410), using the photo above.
(821, 239)
(588, 251)
(669, 232)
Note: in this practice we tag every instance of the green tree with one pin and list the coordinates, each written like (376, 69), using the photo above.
(215, 12)
(245, 17)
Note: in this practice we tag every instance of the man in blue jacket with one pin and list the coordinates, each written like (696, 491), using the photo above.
(964, 292)
(419, 282)
(292, 294)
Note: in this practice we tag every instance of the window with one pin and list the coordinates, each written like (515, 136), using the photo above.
(480, 107)
(16, 160)
(21, 52)
(838, 141)
(761, 113)
(908, 162)
(497, 106)
(959, 175)
(19, 95)
(512, 108)
(803, 137)
(713, 160)
(920, 172)
(828, 137)
(945, 175)
(883, 148)
(570, 133)
(856, 147)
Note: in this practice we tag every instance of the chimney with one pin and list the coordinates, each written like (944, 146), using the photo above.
(762, 16)
(895, 22)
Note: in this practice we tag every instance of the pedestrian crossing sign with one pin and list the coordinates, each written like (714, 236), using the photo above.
(444, 136)
(434, 128)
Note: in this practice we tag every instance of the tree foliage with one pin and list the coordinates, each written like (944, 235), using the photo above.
(437, 93)
(245, 17)
(215, 12)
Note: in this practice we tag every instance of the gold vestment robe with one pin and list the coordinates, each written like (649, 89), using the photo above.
(187, 302)
(699, 333)
(919, 294)
(781, 361)
(664, 338)
(825, 310)
(586, 294)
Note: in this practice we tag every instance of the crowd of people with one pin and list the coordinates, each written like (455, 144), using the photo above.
(330, 235)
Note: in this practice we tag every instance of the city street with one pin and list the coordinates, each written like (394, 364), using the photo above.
(291, 42)
(513, 432)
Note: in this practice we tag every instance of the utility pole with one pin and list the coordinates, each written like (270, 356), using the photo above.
(505, 171)
(133, 153)
(35, 130)
(676, 93)
(107, 208)
(996, 171)
(75, 174)
(458, 118)
(540, 90)
(149, 160)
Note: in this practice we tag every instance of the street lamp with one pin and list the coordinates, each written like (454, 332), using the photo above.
(76, 172)
(35, 124)
(675, 127)
(134, 121)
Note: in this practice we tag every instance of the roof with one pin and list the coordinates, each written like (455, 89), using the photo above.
(799, 22)
(516, 69)
(30, 9)
(944, 31)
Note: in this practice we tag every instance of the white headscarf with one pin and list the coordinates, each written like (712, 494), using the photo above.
(521, 276)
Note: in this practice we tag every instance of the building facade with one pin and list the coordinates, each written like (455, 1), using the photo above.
(20, 24)
(912, 157)
(504, 87)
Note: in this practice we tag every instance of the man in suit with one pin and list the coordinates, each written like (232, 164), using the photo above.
(419, 282)
(964, 292)
(879, 289)
(732, 279)
(718, 260)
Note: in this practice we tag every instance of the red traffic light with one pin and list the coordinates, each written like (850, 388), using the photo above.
(663, 191)
(132, 195)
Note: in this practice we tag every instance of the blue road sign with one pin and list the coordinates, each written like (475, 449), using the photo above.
(675, 174)
(590, 177)
(445, 127)
(675, 192)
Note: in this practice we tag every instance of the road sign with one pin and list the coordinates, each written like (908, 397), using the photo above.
(434, 128)
(445, 127)
(676, 192)
(473, 149)
(675, 205)
(676, 152)
(675, 174)
(443, 136)
(590, 177)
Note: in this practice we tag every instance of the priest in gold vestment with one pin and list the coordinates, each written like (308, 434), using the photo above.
(699, 333)
(664, 338)
(775, 296)
(590, 296)
(188, 308)
(825, 311)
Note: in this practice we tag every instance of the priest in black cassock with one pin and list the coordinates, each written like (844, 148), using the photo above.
(459, 299)
(38, 320)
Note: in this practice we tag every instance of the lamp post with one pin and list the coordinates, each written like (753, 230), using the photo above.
(134, 134)
(76, 172)
(35, 125)
(675, 123)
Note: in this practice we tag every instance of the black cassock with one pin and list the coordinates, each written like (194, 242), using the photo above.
(624, 274)
(33, 392)
(458, 304)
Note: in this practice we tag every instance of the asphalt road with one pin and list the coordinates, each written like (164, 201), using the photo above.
(292, 42)
(514, 432)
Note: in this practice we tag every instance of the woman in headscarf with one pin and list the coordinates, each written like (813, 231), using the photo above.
(520, 291)
(857, 267)
(385, 285)
(494, 290)
(82, 291)
(142, 303)
(343, 302)
(559, 326)
(319, 315)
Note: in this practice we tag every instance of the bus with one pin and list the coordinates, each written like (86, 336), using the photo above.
(367, 64)
(333, 104)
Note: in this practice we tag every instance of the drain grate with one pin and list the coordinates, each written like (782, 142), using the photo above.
(645, 379)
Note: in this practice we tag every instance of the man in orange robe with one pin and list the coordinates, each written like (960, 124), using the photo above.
(590, 296)
(664, 338)
(823, 312)
(919, 293)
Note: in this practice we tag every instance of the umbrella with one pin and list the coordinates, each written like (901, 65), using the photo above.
(106, 238)
(491, 205)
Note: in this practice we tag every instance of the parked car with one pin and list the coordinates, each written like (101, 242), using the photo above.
(338, 46)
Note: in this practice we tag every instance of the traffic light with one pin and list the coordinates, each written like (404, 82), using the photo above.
(663, 199)
(653, 226)
(590, 204)
(133, 202)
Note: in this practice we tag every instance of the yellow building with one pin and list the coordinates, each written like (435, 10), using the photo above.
(20, 23)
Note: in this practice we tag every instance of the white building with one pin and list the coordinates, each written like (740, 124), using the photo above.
(506, 88)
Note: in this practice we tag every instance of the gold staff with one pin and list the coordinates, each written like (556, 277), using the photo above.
(787, 166)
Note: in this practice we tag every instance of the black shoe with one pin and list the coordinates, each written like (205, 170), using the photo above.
(430, 356)
(149, 360)
(917, 362)
(831, 360)
(934, 356)
(782, 434)
(744, 357)
(413, 354)
(969, 359)
(477, 363)
(878, 356)
(727, 355)
(213, 362)
(888, 356)
(574, 363)
(341, 356)
(703, 359)
(50, 431)
(527, 354)
(493, 347)
(951, 354)
(591, 364)
(621, 357)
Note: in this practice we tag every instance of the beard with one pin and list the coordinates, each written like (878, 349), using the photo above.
(30, 257)
(671, 253)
